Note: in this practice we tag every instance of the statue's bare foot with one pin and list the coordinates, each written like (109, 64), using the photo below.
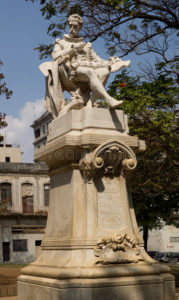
(89, 103)
(74, 104)
(114, 103)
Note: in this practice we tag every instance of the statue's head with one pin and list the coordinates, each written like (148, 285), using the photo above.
(75, 24)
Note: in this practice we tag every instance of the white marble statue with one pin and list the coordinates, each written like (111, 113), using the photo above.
(77, 69)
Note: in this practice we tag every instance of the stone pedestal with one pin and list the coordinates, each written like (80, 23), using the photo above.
(92, 248)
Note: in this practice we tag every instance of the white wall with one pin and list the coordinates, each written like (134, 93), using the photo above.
(14, 154)
(30, 255)
(160, 240)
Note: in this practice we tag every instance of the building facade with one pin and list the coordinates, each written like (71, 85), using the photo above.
(24, 200)
(165, 239)
(40, 127)
(8, 153)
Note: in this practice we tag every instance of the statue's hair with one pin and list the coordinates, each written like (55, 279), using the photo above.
(75, 17)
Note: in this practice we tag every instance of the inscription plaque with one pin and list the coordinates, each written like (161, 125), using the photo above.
(110, 206)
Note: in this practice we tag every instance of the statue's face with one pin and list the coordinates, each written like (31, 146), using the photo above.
(74, 29)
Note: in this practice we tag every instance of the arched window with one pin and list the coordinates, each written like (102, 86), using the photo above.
(27, 198)
(46, 194)
(6, 194)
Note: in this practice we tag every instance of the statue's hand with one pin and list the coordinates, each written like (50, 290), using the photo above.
(117, 63)
(78, 47)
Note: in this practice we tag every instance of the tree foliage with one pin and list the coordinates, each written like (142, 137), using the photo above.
(126, 25)
(152, 111)
(4, 91)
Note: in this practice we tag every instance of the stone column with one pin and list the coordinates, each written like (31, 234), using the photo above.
(92, 248)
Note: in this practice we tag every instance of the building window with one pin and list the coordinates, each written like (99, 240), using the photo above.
(38, 243)
(43, 128)
(37, 133)
(5, 193)
(27, 198)
(174, 239)
(7, 159)
(6, 251)
(20, 245)
(46, 194)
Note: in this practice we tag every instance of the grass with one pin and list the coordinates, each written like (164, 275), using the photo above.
(12, 266)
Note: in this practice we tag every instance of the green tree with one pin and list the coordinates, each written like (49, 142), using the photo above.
(126, 26)
(151, 107)
(4, 91)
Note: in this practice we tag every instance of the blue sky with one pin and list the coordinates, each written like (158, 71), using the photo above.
(22, 28)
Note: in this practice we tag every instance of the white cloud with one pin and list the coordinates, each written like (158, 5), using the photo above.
(19, 131)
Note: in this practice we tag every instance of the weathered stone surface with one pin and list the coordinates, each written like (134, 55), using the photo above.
(92, 247)
(77, 132)
(88, 117)
(126, 288)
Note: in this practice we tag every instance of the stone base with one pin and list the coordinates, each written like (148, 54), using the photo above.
(92, 249)
(149, 287)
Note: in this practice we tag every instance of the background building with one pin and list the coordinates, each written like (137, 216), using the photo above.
(40, 127)
(165, 239)
(9, 153)
(24, 200)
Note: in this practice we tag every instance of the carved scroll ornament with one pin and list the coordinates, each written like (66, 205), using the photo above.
(110, 158)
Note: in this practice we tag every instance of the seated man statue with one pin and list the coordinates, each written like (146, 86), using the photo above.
(77, 69)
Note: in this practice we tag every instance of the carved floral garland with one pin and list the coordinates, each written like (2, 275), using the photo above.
(120, 248)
